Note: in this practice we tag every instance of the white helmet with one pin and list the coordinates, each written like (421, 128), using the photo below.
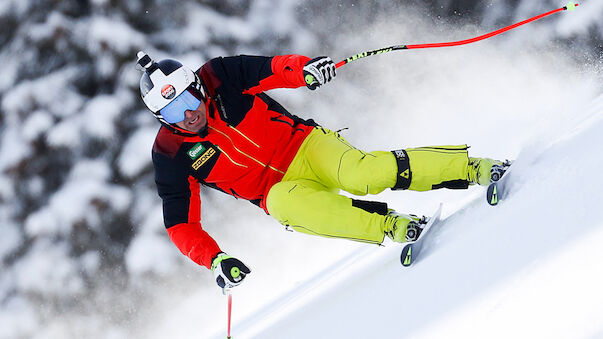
(168, 88)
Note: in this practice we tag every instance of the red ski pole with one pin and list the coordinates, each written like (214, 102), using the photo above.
(570, 6)
(229, 312)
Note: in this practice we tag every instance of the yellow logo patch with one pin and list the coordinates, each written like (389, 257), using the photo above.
(203, 158)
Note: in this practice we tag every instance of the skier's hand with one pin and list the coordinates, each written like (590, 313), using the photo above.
(318, 72)
(229, 271)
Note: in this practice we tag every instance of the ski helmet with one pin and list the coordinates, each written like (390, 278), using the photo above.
(168, 89)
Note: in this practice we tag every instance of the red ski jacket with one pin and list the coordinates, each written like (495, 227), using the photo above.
(248, 145)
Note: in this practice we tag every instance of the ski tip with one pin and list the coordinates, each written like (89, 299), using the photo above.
(492, 194)
(406, 257)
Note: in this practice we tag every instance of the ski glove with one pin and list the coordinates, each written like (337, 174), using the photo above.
(318, 72)
(228, 271)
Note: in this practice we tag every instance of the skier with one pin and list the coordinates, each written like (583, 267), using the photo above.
(220, 130)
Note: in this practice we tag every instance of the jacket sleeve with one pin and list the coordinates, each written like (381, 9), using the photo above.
(257, 74)
(180, 193)
(194, 242)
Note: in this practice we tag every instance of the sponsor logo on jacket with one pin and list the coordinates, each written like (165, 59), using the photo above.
(196, 150)
(210, 152)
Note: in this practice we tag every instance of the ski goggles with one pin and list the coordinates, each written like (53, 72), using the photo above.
(175, 111)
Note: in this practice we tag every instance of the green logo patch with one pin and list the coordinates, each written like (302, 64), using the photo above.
(196, 151)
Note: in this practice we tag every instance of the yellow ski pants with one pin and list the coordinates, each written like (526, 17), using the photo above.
(308, 200)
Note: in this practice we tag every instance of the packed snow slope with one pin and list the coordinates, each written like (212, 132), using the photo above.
(528, 268)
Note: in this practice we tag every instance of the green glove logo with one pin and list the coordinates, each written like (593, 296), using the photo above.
(310, 79)
(235, 272)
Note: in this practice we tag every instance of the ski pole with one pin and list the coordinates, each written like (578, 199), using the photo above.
(229, 311)
(570, 6)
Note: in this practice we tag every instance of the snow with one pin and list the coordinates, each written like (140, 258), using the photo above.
(59, 98)
(17, 6)
(72, 203)
(135, 155)
(163, 258)
(9, 76)
(10, 236)
(113, 33)
(12, 151)
(51, 274)
(537, 297)
(63, 134)
(89, 262)
(36, 124)
(160, 260)
(97, 120)
(18, 316)
(44, 31)
(99, 115)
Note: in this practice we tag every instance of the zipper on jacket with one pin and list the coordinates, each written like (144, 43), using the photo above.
(244, 136)
(229, 158)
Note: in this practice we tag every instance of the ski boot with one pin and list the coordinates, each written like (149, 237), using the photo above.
(404, 227)
(483, 171)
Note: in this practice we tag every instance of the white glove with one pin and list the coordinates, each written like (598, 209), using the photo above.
(318, 72)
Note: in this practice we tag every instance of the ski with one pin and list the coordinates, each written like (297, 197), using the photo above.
(412, 249)
(497, 190)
